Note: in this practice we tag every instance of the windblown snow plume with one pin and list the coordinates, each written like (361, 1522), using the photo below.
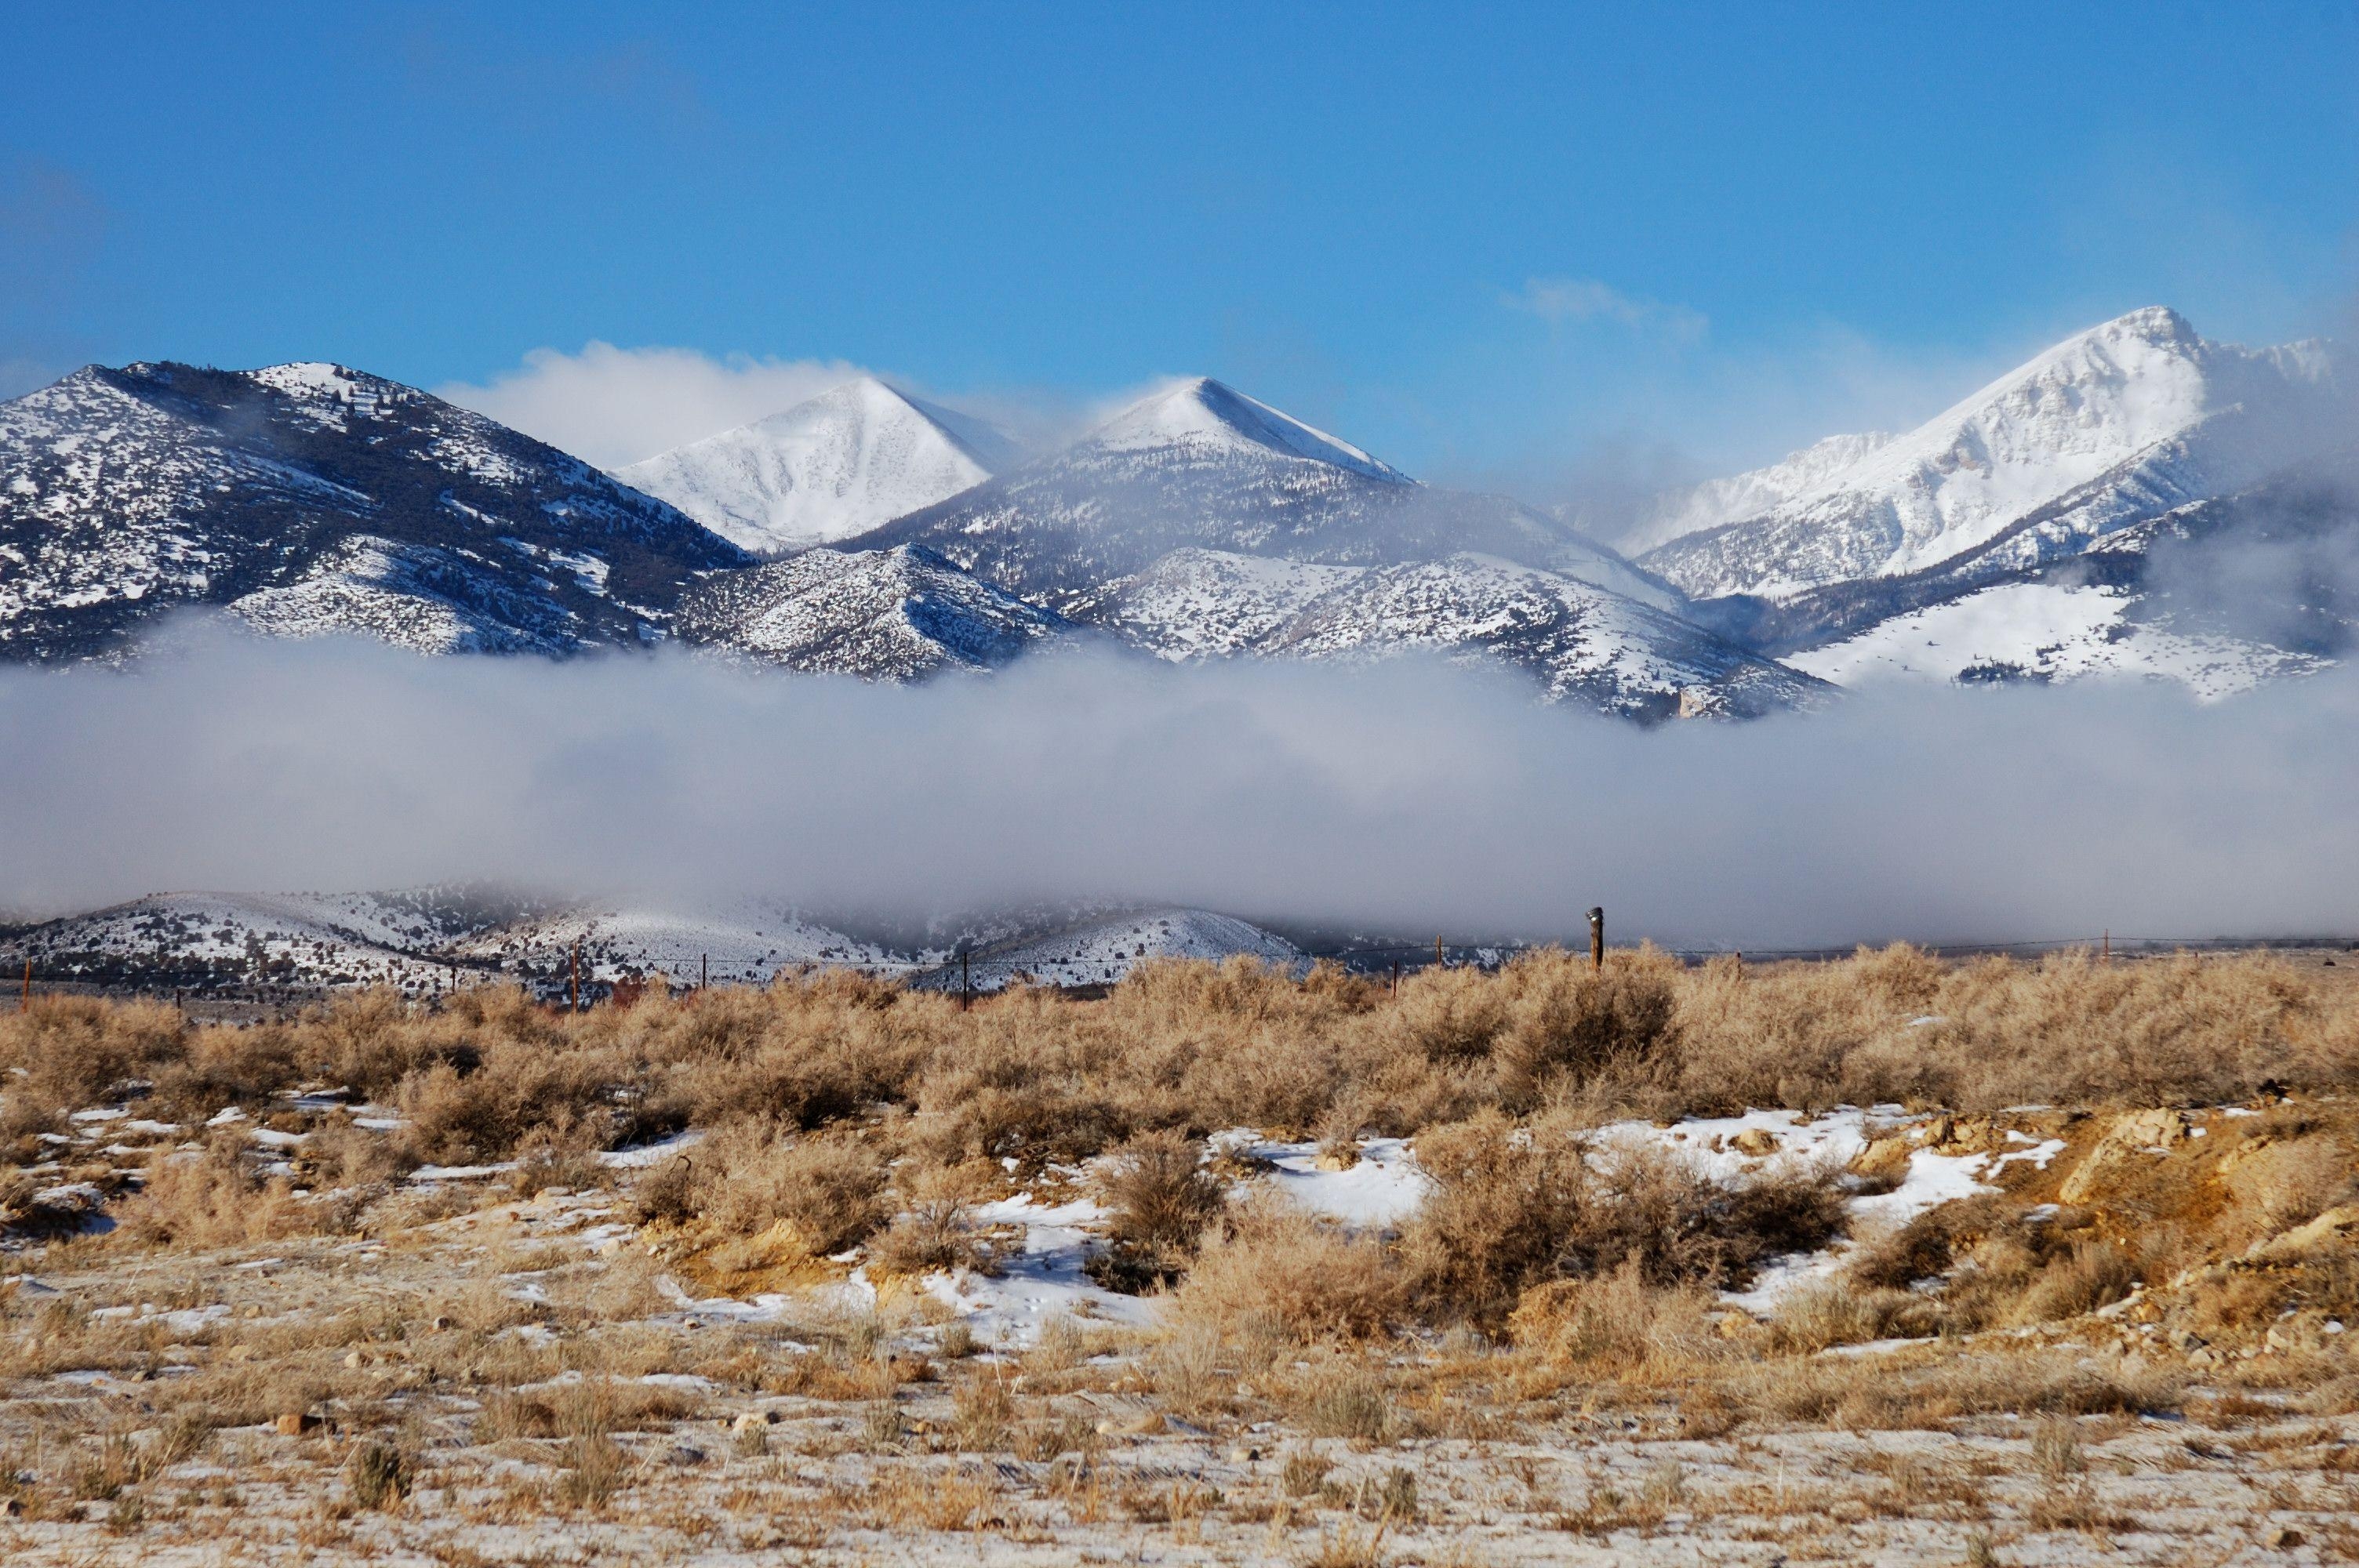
(1406, 795)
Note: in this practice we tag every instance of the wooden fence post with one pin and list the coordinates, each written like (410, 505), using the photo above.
(1597, 939)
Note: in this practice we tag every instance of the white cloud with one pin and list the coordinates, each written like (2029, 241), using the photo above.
(1407, 797)
(1581, 300)
(613, 407)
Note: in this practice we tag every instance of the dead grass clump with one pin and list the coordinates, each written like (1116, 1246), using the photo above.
(1566, 1023)
(982, 1413)
(379, 1476)
(1345, 1399)
(66, 1052)
(1818, 1317)
(1868, 1393)
(1272, 1273)
(215, 1199)
(1617, 1324)
(2091, 1274)
(936, 1229)
(218, 1067)
(812, 1194)
(506, 1415)
(1514, 1207)
(1161, 1200)
(339, 1154)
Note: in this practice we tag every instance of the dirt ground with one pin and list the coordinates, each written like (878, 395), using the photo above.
(551, 1398)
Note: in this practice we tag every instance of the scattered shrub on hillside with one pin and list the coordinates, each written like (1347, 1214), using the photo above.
(1617, 1324)
(1272, 1275)
(1160, 1200)
(935, 1228)
(805, 1194)
(1513, 1208)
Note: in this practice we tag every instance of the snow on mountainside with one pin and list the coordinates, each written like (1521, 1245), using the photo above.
(1580, 644)
(2138, 407)
(2218, 595)
(897, 614)
(311, 499)
(1195, 604)
(425, 942)
(2046, 632)
(218, 940)
(843, 462)
(1201, 466)
(1102, 950)
(1718, 502)
(736, 941)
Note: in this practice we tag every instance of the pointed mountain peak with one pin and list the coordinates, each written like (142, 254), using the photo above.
(830, 467)
(1203, 413)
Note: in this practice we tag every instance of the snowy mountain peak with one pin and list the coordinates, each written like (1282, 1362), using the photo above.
(854, 457)
(1205, 418)
(310, 498)
(2123, 404)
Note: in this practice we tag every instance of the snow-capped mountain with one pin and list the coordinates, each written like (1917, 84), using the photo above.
(1201, 524)
(1101, 949)
(896, 614)
(2217, 595)
(849, 459)
(2121, 421)
(1203, 467)
(310, 498)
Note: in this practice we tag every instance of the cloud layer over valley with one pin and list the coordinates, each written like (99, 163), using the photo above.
(1408, 797)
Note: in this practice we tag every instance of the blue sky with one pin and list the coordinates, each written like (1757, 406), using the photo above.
(1550, 246)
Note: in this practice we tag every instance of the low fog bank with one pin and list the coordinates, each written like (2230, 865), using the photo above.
(1406, 797)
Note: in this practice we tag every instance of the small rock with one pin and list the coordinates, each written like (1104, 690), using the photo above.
(1886, 1157)
(353, 1358)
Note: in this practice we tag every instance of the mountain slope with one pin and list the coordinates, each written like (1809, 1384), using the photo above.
(1203, 467)
(2218, 595)
(736, 941)
(849, 459)
(897, 614)
(2136, 410)
(1719, 501)
(1102, 949)
(1580, 644)
(311, 498)
(230, 941)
